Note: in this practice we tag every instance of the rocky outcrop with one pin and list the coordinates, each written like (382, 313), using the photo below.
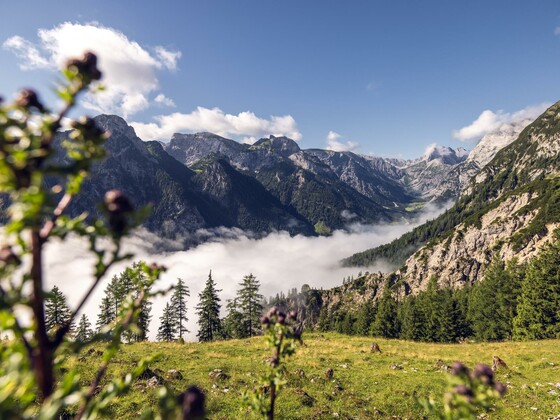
(509, 210)
(463, 257)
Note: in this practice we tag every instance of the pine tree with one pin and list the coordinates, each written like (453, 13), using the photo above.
(233, 322)
(57, 312)
(249, 303)
(492, 304)
(347, 324)
(208, 311)
(106, 314)
(131, 279)
(412, 319)
(125, 286)
(366, 316)
(84, 331)
(325, 320)
(179, 307)
(168, 327)
(386, 323)
(538, 312)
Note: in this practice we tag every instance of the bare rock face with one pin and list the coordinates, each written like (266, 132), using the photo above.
(466, 254)
(509, 210)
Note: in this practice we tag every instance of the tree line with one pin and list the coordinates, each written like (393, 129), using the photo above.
(513, 301)
(242, 319)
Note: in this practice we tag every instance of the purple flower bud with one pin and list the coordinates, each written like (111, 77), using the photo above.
(28, 99)
(192, 401)
(118, 206)
(501, 388)
(117, 202)
(459, 369)
(292, 316)
(273, 361)
(463, 390)
(88, 126)
(85, 67)
(272, 312)
(8, 256)
(265, 321)
(281, 317)
(484, 374)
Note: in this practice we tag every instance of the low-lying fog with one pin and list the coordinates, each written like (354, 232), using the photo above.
(279, 262)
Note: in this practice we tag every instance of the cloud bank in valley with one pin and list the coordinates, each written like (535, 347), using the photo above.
(279, 262)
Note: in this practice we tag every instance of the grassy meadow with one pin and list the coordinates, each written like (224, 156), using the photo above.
(365, 385)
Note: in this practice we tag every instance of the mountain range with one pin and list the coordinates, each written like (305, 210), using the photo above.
(508, 210)
(202, 182)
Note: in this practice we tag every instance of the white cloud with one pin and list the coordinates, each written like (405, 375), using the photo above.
(164, 100)
(283, 263)
(335, 144)
(168, 58)
(245, 124)
(489, 121)
(129, 69)
(30, 56)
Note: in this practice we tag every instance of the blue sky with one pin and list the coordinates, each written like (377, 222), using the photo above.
(382, 77)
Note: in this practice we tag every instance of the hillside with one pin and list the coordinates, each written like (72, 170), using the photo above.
(509, 209)
(364, 385)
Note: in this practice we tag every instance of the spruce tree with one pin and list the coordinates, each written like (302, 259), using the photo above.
(106, 314)
(366, 316)
(179, 307)
(233, 322)
(168, 327)
(412, 319)
(492, 304)
(386, 323)
(538, 312)
(57, 312)
(250, 304)
(125, 286)
(84, 331)
(208, 311)
(131, 279)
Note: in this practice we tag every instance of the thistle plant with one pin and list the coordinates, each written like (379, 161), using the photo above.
(471, 393)
(40, 175)
(281, 335)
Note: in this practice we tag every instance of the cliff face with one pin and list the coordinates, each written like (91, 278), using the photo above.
(465, 254)
(509, 210)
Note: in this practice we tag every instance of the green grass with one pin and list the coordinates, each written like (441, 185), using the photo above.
(364, 384)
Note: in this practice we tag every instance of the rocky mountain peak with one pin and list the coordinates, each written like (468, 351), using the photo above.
(123, 138)
(116, 125)
(444, 154)
(496, 140)
(284, 146)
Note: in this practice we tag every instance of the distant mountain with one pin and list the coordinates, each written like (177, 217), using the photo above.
(182, 200)
(510, 209)
(434, 176)
(205, 181)
(331, 188)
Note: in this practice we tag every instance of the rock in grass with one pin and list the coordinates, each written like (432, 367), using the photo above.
(154, 381)
(173, 374)
(374, 348)
(218, 374)
(498, 363)
(329, 373)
